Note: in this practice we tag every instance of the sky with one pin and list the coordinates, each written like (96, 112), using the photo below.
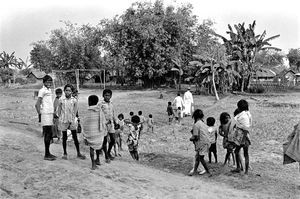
(23, 22)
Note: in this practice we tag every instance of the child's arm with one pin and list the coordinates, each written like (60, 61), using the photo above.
(38, 105)
(75, 107)
(59, 108)
(221, 132)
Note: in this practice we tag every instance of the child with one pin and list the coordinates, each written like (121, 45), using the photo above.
(94, 127)
(75, 95)
(213, 133)
(170, 112)
(226, 129)
(180, 116)
(142, 120)
(131, 114)
(108, 110)
(119, 133)
(133, 137)
(150, 123)
(67, 109)
(241, 136)
(56, 131)
(201, 141)
(45, 110)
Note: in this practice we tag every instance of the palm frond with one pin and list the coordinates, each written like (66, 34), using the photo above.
(271, 38)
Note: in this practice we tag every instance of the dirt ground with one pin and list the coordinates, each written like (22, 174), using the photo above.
(166, 155)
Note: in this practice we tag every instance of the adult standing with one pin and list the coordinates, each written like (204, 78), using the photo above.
(178, 102)
(188, 102)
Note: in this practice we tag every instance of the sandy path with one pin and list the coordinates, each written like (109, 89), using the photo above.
(25, 175)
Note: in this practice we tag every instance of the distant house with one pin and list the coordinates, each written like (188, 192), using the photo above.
(287, 77)
(264, 74)
(36, 74)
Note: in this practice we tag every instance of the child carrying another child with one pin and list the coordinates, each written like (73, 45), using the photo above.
(201, 141)
(94, 129)
(67, 109)
(241, 136)
(213, 134)
(226, 130)
(133, 137)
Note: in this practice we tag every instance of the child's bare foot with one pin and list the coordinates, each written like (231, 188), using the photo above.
(107, 161)
(65, 157)
(235, 170)
(202, 172)
(53, 156)
(97, 162)
(80, 156)
(94, 167)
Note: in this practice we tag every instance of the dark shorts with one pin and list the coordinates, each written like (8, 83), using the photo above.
(213, 147)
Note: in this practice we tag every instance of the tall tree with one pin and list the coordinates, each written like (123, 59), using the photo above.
(294, 58)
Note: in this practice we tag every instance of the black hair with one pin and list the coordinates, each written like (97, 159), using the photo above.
(178, 94)
(121, 115)
(106, 91)
(58, 91)
(117, 126)
(236, 112)
(243, 105)
(198, 114)
(68, 85)
(140, 113)
(74, 89)
(169, 103)
(179, 108)
(135, 119)
(210, 121)
(93, 100)
(47, 78)
(223, 117)
(150, 115)
(131, 113)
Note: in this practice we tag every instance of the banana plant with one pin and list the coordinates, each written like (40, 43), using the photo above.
(243, 46)
(7, 60)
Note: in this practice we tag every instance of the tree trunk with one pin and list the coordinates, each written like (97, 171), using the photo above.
(242, 86)
(214, 86)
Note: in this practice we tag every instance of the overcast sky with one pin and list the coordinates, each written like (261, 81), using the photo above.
(23, 22)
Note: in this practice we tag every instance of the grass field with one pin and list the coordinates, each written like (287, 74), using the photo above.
(168, 149)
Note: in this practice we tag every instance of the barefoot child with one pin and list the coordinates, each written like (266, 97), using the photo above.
(170, 112)
(150, 123)
(119, 127)
(45, 110)
(56, 131)
(225, 130)
(241, 137)
(94, 129)
(67, 109)
(201, 141)
(213, 134)
(133, 136)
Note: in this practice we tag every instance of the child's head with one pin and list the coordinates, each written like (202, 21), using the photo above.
(68, 90)
(117, 126)
(74, 92)
(140, 113)
(224, 118)
(178, 94)
(150, 115)
(243, 105)
(198, 115)
(169, 103)
(93, 100)
(210, 121)
(236, 112)
(120, 116)
(179, 108)
(107, 93)
(135, 119)
(58, 92)
(131, 113)
(47, 81)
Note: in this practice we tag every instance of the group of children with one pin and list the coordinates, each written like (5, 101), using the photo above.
(102, 131)
(235, 133)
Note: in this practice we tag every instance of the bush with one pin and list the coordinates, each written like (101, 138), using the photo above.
(21, 81)
(257, 89)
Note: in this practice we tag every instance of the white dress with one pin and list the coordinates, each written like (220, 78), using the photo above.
(188, 101)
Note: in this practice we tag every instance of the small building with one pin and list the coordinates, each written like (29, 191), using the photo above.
(286, 77)
(264, 74)
(36, 74)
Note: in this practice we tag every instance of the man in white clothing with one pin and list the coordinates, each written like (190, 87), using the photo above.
(188, 102)
(178, 102)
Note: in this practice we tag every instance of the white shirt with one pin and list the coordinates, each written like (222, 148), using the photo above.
(47, 101)
(243, 120)
(188, 97)
(178, 101)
